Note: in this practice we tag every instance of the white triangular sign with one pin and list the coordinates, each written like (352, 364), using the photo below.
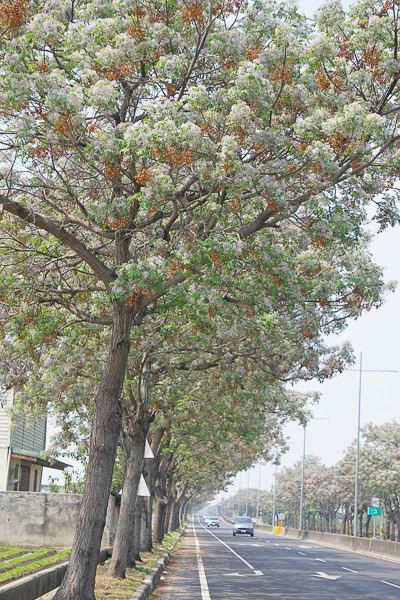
(143, 490)
(148, 452)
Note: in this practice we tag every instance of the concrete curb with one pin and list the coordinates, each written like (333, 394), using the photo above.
(150, 582)
(38, 584)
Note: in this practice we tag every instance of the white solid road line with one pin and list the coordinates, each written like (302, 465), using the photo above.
(205, 594)
(392, 584)
(233, 552)
(351, 570)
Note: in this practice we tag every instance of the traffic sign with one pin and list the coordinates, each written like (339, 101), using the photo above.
(375, 502)
(376, 512)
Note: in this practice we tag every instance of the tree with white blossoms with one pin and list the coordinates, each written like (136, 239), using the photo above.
(151, 146)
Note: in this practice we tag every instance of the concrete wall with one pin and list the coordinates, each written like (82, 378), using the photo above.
(45, 519)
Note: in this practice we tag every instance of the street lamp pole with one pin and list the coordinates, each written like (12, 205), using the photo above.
(358, 453)
(274, 507)
(258, 493)
(240, 485)
(247, 495)
(302, 479)
(361, 370)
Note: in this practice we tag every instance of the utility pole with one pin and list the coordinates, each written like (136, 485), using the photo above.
(247, 496)
(361, 370)
(240, 485)
(302, 479)
(358, 454)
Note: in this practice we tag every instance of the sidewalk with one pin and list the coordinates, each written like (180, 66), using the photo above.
(180, 580)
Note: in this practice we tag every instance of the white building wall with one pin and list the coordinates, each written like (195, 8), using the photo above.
(4, 462)
(6, 399)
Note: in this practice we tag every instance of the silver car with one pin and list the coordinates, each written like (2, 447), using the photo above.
(243, 525)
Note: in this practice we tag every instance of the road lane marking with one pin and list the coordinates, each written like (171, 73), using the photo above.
(205, 594)
(351, 570)
(323, 575)
(302, 553)
(392, 584)
(255, 574)
(276, 544)
(320, 560)
(233, 552)
(286, 548)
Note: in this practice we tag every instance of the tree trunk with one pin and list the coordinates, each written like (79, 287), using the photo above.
(172, 498)
(134, 544)
(392, 527)
(182, 511)
(177, 507)
(133, 448)
(367, 522)
(133, 438)
(161, 500)
(344, 523)
(146, 544)
(159, 519)
(151, 469)
(78, 583)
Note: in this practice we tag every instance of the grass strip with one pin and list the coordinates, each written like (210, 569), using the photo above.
(122, 589)
(12, 551)
(38, 564)
(26, 557)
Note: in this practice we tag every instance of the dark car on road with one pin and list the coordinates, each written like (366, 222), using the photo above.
(243, 525)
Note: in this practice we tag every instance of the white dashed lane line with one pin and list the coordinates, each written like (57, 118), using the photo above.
(351, 570)
(256, 571)
(286, 548)
(302, 553)
(321, 560)
(392, 584)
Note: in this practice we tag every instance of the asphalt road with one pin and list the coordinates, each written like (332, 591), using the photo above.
(268, 566)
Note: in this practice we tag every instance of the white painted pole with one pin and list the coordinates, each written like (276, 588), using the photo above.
(247, 495)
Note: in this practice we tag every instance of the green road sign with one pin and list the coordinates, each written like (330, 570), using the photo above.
(376, 512)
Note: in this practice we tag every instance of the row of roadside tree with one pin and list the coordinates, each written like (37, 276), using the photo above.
(183, 190)
(329, 492)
